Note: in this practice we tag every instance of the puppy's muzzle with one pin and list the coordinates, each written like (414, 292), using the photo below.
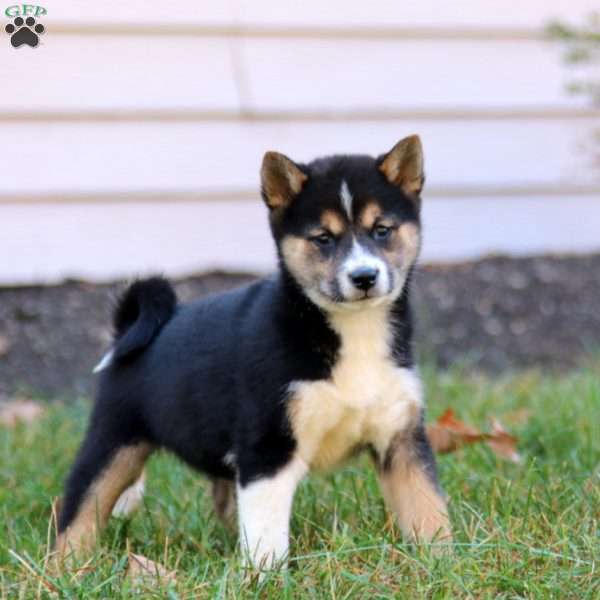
(364, 278)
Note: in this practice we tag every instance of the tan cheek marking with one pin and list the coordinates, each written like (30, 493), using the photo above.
(95, 509)
(333, 222)
(303, 260)
(405, 245)
(410, 234)
(369, 215)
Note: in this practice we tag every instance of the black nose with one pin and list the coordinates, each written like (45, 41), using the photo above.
(364, 278)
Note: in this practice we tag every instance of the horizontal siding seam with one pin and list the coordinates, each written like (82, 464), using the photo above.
(168, 115)
(363, 32)
(553, 190)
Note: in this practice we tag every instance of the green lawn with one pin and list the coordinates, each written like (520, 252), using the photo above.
(522, 531)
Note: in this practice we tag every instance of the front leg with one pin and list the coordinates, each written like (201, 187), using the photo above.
(408, 479)
(264, 510)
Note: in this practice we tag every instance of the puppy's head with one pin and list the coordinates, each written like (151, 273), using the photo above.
(347, 227)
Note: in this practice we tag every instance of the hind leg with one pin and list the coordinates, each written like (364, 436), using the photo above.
(130, 500)
(102, 472)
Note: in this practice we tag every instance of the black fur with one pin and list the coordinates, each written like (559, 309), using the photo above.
(140, 313)
(209, 378)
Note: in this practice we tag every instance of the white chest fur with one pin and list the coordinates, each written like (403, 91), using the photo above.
(367, 400)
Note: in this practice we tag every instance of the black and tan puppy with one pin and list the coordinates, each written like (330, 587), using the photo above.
(258, 386)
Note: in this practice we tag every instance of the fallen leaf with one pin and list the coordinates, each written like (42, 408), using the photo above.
(450, 422)
(449, 433)
(502, 443)
(20, 410)
(441, 439)
(142, 570)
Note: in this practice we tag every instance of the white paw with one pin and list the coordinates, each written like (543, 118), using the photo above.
(130, 499)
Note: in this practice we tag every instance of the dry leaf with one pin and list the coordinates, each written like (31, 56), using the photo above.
(452, 424)
(448, 433)
(19, 411)
(502, 443)
(441, 439)
(142, 570)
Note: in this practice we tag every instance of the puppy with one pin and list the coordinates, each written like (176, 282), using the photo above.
(299, 371)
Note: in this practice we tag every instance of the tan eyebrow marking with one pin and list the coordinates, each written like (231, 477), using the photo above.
(333, 222)
(369, 214)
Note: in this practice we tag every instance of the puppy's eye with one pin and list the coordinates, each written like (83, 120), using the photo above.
(323, 240)
(381, 232)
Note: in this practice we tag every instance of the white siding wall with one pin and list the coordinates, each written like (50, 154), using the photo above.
(131, 137)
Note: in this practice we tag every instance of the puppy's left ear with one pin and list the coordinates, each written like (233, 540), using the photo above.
(403, 165)
(281, 180)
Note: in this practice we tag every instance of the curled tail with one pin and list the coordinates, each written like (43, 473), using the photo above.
(140, 314)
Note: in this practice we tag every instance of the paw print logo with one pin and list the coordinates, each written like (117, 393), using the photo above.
(24, 32)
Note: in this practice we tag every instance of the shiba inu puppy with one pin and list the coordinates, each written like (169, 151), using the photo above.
(258, 386)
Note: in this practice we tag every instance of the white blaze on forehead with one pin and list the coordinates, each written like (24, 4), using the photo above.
(346, 198)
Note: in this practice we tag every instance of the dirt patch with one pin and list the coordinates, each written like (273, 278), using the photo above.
(497, 313)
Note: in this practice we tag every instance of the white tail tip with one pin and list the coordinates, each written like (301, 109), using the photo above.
(104, 362)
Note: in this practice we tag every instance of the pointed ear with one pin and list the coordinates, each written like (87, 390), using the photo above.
(281, 180)
(403, 165)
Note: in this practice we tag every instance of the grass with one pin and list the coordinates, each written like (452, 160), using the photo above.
(522, 531)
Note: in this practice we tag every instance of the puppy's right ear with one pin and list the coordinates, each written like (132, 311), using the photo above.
(281, 180)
